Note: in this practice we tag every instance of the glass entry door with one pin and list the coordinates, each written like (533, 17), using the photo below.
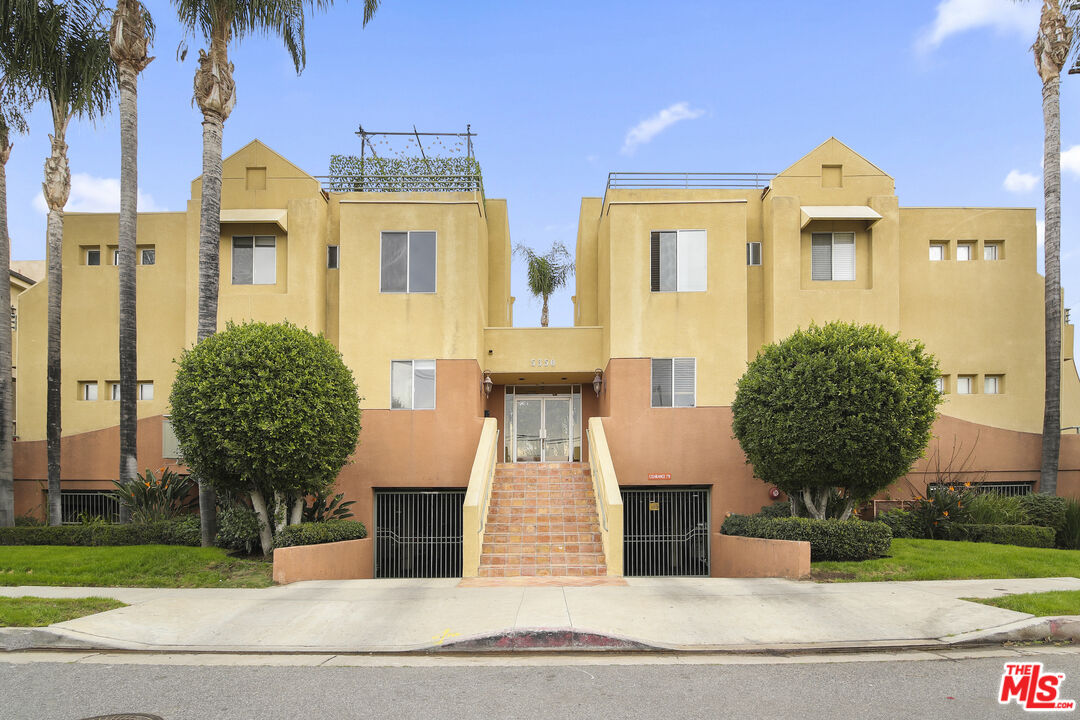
(542, 429)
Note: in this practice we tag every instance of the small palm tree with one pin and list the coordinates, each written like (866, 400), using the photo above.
(78, 79)
(218, 22)
(1054, 47)
(129, 38)
(547, 273)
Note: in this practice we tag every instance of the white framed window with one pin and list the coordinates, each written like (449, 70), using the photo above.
(993, 384)
(753, 253)
(148, 256)
(114, 391)
(674, 382)
(88, 390)
(938, 251)
(678, 261)
(408, 262)
(116, 257)
(992, 251)
(412, 385)
(146, 390)
(965, 251)
(832, 256)
(254, 260)
(965, 384)
(939, 383)
(93, 256)
(332, 256)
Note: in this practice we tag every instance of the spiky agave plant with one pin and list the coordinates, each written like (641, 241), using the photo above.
(547, 273)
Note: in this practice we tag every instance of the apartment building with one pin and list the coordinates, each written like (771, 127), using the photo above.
(680, 280)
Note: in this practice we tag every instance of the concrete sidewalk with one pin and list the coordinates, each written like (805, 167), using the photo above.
(679, 614)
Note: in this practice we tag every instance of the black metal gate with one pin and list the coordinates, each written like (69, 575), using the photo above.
(665, 531)
(418, 533)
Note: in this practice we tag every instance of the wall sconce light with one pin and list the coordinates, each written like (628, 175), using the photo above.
(487, 384)
(598, 381)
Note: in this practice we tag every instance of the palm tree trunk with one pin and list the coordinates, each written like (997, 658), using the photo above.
(209, 244)
(544, 313)
(1051, 436)
(57, 188)
(129, 184)
(7, 420)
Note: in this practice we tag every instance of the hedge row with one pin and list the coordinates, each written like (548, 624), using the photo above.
(184, 531)
(1023, 535)
(316, 533)
(829, 539)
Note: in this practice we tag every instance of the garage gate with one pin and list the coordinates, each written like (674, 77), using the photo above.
(418, 533)
(666, 531)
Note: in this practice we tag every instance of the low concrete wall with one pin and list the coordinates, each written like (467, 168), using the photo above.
(346, 560)
(744, 557)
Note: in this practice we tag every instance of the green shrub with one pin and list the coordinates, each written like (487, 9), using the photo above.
(995, 509)
(316, 533)
(776, 510)
(1045, 510)
(28, 521)
(323, 507)
(238, 529)
(1022, 535)
(1069, 535)
(184, 531)
(901, 523)
(150, 499)
(942, 506)
(829, 539)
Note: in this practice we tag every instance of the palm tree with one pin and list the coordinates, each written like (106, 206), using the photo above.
(1053, 48)
(78, 79)
(547, 273)
(218, 22)
(128, 42)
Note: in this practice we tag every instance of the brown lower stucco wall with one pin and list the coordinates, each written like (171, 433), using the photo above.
(418, 448)
(744, 557)
(346, 560)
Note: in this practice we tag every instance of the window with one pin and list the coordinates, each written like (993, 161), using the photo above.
(992, 251)
(332, 257)
(674, 382)
(116, 257)
(88, 390)
(965, 384)
(93, 256)
(254, 261)
(937, 251)
(678, 261)
(965, 251)
(408, 262)
(992, 384)
(753, 253)
(114, 391)
(939, 383)
(412, 385)
(832, 256)
(147, 256)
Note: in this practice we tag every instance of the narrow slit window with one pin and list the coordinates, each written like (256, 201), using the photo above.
(753, 253)
(332, 257)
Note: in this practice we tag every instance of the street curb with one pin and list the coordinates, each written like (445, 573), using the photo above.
(1062, 628)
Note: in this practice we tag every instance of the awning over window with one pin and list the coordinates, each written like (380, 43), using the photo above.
(257, 215)
(839, 212)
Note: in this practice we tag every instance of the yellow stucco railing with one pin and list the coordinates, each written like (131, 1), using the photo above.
(477, 497)
(609, 505)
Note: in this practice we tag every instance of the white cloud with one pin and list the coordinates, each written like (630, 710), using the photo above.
(1040, 232)
(1020, 182)
(94, 194)
(1070, 160)
(649, 128)
(957, 16)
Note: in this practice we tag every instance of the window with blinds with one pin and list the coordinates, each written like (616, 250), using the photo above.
(753, 253)
(674, 382)
(832, 256)
(678, 261)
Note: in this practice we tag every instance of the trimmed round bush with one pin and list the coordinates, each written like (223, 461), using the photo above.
(238, 530)
(829, 539)
(1045, 510)
(316, 533)
(901, 523)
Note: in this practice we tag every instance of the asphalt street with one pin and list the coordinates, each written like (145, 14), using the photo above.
(627, 688)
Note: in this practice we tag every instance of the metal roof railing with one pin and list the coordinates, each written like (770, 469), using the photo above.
(401, 183)
(687, 181)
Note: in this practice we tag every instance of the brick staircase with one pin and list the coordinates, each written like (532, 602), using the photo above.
(542, 521)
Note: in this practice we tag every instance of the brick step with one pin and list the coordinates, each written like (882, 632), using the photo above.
(542, 547)
(522, 536)
(543, 571)
(508, 525)
(549, 514)
(552, 504)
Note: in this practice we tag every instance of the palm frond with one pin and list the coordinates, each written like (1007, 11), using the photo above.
(546, 273)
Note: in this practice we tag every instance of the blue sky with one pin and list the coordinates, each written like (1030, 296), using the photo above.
(943, 95)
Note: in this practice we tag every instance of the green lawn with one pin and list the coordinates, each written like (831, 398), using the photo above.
(1057, 602)
(38, 612)
(946, 560)
(129, 566)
